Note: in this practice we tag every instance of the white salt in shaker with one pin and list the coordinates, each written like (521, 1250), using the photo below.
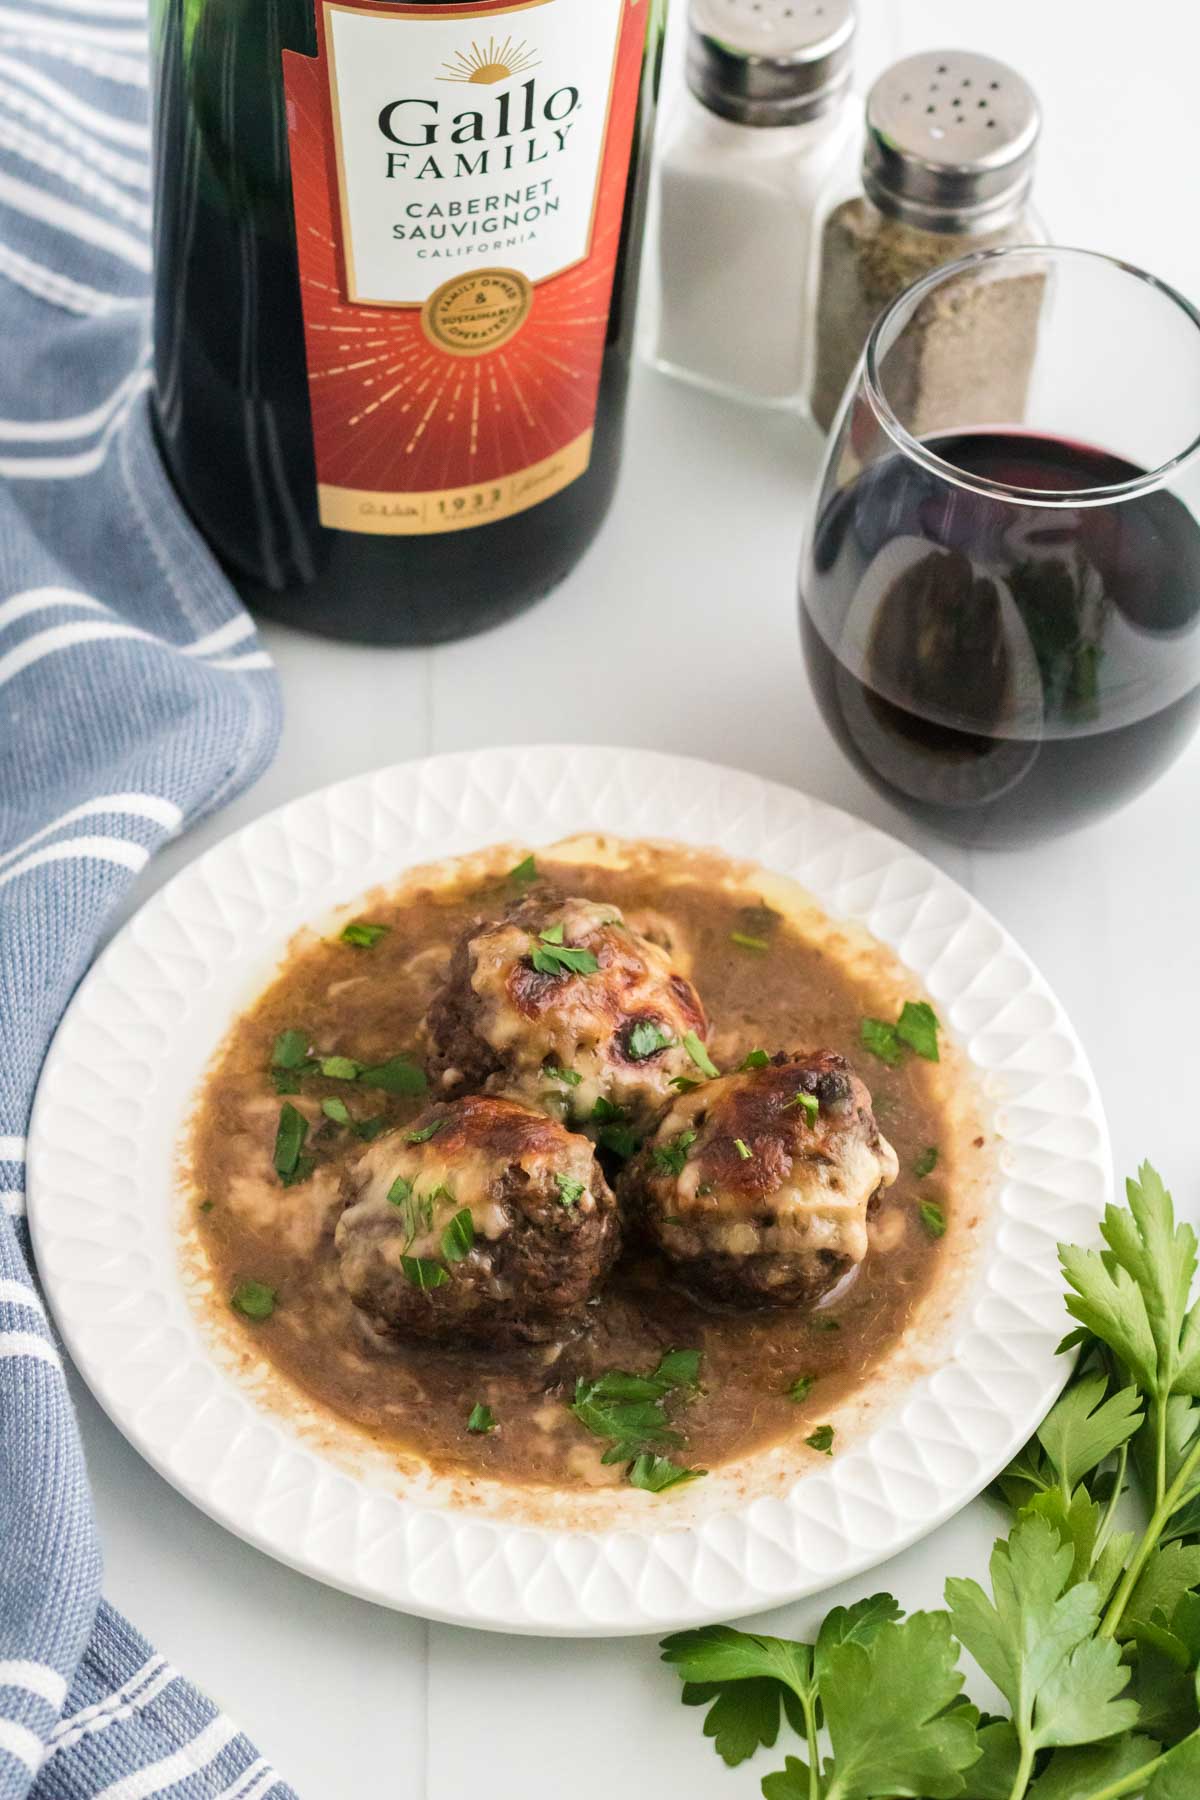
(767, 118)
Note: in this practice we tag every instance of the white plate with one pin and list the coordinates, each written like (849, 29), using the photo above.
(123, 1071)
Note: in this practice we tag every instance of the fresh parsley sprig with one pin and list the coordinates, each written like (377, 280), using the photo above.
(1090, 1633)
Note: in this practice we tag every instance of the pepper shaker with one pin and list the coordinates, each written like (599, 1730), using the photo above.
(947, 168)
(766, 118)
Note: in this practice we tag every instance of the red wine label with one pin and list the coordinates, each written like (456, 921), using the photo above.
(458, 177)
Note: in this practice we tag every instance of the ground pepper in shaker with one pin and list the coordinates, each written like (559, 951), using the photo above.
(767, 116)
(947, 169)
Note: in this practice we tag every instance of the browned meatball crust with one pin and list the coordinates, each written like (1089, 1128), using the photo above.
(542, 1234)
(757, 1185)
(564, 1039)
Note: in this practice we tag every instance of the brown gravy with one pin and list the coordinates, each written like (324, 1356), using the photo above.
(811, 989)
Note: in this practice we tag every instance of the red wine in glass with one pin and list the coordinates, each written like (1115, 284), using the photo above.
(1005, 671)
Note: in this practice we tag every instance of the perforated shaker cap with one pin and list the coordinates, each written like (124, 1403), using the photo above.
(769, 62)
(950, 142)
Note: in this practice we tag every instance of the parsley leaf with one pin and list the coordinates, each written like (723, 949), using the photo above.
(801, 1388)
(291, 1049)
(362, 935)
(926, 1163)
(525, 871)
(550, 956)
(569, 1190)
(568, 1077)
(657, 1473)
(613, 1134)
(809, 1102)
(254, 1299)
(289, 1141)
(683, 1084)
(337, 1110)
(754, 1059)
(646, 1039)
(743, 1149)
(1036, 1640)
(481, 1418)
(889, 1710)
(340, 1068)
(821, 1440)
(628, 1410)
(369, 1129)
(917, 1027)
(882, 1040)
(699, 1055)
(423, 1133)
(671, 1157)
(423, 1272)
(744, 941)
(458, 1238)
(399, 1075)
(932, 1218)
(1082, 1428)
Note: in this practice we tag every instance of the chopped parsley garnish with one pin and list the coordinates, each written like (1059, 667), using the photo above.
(801, 1388)
(821, 1440)
(628, 1409)
(291, 1049)
(336, 1109)
(423, 1272)
(672, 1156)
(253, 1299)
(482, 1418)
(809, 1102)
(754, 1059)
(916, 1029)
(570, 1191)
(458, 1239)
(683, 1083)
(400, 1191)
(369, 1129)
(744, 941)
(926, 1163)
(743, 1149)
(646, 1039)
(568, 1077)
(362, 935)
(657, 1473)
(882, 1040)
(613, 1134)
(525, 871)
(340, 1068)
(206, 1206)
(289, 1142)
(699, 1055)
(399, 1075)
(423, 1133)
(932, 1218)
(550, 956)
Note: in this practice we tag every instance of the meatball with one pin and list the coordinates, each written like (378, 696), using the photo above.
(757, 1185)
(483, 1221)
(561, 1003)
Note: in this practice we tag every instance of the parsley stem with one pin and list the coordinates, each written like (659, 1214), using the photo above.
(807, 1698)
(1135, 1782)
(1024, 1767)
(1160, 1518)
(1104, 1531)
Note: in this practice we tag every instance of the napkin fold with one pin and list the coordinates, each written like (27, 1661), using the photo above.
(134, 697)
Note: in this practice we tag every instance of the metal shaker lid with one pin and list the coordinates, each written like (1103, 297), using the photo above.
(950, 142)
(769, 62)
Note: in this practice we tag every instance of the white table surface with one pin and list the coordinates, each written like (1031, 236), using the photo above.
(678, 632)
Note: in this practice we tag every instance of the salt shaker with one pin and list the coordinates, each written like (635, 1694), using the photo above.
(947, 168)
(766, 118)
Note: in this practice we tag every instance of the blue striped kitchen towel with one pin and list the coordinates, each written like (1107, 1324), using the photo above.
(133, 698)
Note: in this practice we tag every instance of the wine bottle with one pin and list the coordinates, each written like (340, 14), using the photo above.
(396, 265)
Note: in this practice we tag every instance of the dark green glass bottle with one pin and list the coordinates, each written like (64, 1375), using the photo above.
(478, 233)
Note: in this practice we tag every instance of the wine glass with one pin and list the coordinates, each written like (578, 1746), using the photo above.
(1000, 591)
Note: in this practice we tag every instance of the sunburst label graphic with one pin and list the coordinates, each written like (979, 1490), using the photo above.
(457, 381)
(484, 64)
